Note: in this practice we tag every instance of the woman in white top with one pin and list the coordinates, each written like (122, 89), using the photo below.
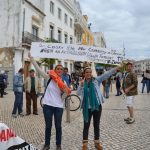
(53, 105)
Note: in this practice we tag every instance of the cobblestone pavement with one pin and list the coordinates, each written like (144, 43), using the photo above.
(115, 133)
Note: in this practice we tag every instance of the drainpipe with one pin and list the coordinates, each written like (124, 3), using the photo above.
(23, 23)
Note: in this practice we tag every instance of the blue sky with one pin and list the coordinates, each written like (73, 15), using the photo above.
(122, 21)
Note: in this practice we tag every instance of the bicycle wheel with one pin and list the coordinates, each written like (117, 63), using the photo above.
(74, 100)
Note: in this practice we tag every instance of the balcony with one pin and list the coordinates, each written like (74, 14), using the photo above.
(28, 38)
(80, 25)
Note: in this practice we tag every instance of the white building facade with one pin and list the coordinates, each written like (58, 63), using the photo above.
(27, 21)
(99, 39)
(59, 24)
(141, 66)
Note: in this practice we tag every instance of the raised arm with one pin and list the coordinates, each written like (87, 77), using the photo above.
(38, 69)
(107, 74)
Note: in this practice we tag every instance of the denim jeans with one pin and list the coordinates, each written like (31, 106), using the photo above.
(107, 87)
(148, 85)
(145, 82)
(96, 123)
(49, 111)
(18, 104)
(118, 86)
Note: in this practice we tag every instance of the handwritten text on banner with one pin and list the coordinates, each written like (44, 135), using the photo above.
(75, 52)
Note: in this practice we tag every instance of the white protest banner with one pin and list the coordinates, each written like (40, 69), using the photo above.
(75, 52)
(9, 140)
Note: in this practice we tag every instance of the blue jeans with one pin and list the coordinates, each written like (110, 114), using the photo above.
(148, 86)
(145, 82)
(18, 104)
(107, 87)
(49, 111)
(118, 86)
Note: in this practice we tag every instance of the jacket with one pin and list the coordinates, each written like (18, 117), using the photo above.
(18, 83)
(130, 79)
(27, 85)
(97, 82)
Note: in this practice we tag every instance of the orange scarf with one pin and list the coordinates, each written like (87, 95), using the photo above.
(59, 82)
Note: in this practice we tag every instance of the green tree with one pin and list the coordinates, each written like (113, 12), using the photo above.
(48, 62)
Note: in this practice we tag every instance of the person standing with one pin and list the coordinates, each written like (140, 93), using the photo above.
(6, 81)
(118, 82)
(32, 88)
(52, 105)
(147, 75)
(92, 100)
(66, 77)
(106, 83)
(18, 91)
(2, 83)
(144, 82)
(130, 84)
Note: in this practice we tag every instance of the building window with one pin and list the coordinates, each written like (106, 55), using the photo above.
(52, 7)
(66, 18)
(59, 36)
(59, 62)
(88, 39)
(79, 38)
(35, 30)
(71, 68)
(59, 13)
(70, 23)
(66, 38)
(71, 40)
(51, 32)
(66, 65)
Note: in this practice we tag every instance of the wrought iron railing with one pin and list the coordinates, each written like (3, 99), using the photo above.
(28, 38)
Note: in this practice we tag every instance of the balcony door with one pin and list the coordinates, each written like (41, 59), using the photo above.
(35, 30)
(51, 32)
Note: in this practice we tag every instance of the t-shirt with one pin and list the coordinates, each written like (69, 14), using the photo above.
(66, 78)
(52, 96)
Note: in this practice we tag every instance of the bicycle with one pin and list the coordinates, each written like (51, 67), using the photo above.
(74, 100)
(74, 85)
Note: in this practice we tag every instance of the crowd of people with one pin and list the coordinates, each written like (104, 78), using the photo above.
(89, 90)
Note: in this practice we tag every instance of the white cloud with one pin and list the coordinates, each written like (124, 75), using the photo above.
(122, 21)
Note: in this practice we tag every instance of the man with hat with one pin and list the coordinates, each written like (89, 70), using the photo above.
(130, 84)
(32, 88)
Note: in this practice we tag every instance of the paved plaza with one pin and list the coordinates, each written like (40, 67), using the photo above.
(115, 133)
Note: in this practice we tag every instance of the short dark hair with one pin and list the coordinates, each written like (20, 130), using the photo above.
(21, 70)
(66, 68)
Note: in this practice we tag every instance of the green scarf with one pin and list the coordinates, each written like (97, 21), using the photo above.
(89, 99)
